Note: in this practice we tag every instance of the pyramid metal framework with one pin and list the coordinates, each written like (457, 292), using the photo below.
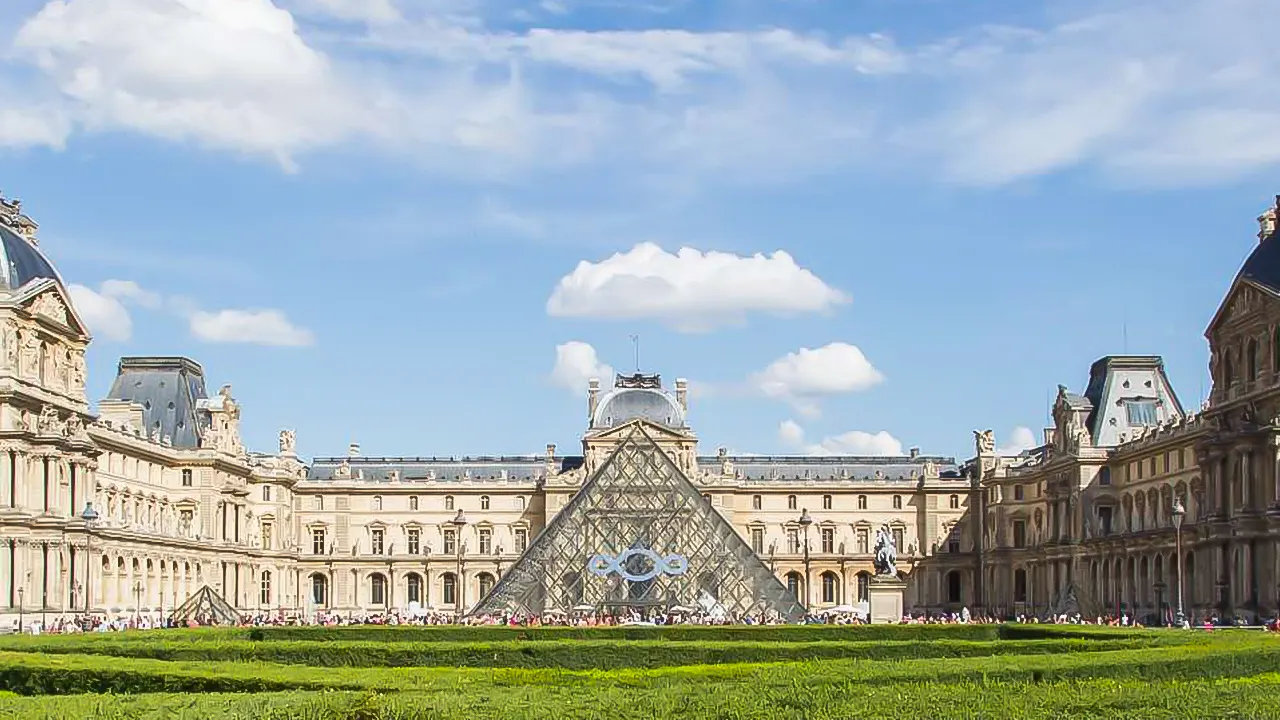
(206, 607)
(638, 535)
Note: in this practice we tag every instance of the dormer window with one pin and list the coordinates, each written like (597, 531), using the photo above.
(1141, 412)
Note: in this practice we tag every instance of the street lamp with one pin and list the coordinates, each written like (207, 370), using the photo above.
(805, 521)
(21, 592)
(137, 598)
(90, 518)
(1179, 513)
(459, 521)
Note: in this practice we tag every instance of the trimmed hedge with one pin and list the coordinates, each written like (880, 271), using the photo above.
(580, 654)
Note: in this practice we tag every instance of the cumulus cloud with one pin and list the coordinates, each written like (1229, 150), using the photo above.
(1021, 438)
(689, 290)
(104, 314)
(803, 377)
(252, 327)
(853, 442)
(1156, 90)
(576, 363)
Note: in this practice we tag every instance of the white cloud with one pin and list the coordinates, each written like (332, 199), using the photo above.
(132, 292)
(576, 363)
(1156, 91)
(104, 314)
(690, 290)
(853, 442)
(1020, 438)
(803, 377)
(253, 327)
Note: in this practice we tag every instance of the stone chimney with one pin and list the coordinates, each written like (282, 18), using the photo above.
(915, 453)
(682, 393)
(1267, 221)
(353, 450)
(593, 397)
(1050, 436)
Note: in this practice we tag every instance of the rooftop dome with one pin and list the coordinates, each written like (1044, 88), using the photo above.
(630, 403)
(21, 262)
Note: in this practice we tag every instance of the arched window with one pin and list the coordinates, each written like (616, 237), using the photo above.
(377, 589)
(864, 587)
(414, 585)
(449, 585)
(448, 502)
(830, 588)
(319, 590)
(791, 502)
(953, 586)
(264, 591)
(486, 584)
(862, 502)
(1228, 369)
(955, 502)
(756, 502)
(793, 584)
(484, 502)
(897, 502)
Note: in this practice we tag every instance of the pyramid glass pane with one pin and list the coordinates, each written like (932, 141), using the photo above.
(639, 536)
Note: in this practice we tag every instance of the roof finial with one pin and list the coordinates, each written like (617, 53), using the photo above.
(1267, 221)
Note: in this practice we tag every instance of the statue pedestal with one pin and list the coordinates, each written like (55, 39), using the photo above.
(885, 594)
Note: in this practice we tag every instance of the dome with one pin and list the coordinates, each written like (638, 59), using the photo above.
(652, 404)
(21, 262)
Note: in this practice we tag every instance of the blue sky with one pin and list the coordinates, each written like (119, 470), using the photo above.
(372, 217)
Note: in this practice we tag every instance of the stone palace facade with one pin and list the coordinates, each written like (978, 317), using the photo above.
(132, 506)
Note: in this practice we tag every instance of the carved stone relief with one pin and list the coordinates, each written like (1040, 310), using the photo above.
(50, 306)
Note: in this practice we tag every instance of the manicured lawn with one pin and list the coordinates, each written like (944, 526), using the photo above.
(368, 673)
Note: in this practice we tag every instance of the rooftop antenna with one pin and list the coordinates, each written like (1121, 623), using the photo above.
(635, 348)
(1124, 330)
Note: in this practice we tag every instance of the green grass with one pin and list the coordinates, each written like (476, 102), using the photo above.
(885, 672)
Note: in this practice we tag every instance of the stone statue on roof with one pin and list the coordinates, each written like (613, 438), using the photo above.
(287, 442)
(985, 441)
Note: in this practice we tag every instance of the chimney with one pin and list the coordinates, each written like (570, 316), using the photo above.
(593, 396)
(915, 453)
(682, 393)
(353, 450)
(1267, 221)
(1050, 436)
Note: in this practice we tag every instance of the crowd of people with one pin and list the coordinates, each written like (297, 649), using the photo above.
(654, 617)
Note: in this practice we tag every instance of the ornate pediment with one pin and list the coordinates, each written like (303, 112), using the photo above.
(659, 433)
(49, 304)
(1244, 299)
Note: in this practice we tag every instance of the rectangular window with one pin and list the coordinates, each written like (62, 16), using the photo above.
(186, 478)
(863, 543)
(793, 541)
(317, 541)
(266, 493)
(1017, 492)
(899, 542)
(1141, 412)
(1104, 518)
(953, 546)
(826, 502)
(828, 540)
(522, 539)
(415, 540)
(413, 502)
(450, 542)
(486, 541)
(266, 536)
(1019, 533)
(376, 541)
(757, 540)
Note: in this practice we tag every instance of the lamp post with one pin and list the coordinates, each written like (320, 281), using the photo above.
(90, 518)
(459, 521)
(21, 592)
(1179, 513)
(805, 521)
(137, 599)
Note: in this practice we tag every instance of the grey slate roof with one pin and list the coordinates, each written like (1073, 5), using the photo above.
(21, 262)
(1263, 265)
(781, 468)
(168, 389)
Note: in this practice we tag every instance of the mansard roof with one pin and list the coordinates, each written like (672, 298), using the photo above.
(169, 390)
(779, 468)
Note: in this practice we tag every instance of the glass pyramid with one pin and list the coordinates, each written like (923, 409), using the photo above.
(639, 536)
